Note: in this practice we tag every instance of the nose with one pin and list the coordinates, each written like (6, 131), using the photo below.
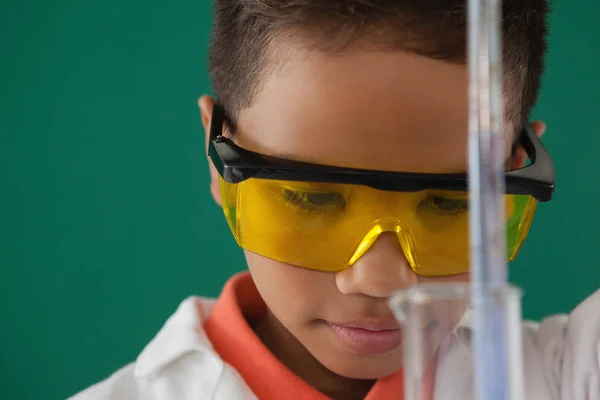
(382, 270)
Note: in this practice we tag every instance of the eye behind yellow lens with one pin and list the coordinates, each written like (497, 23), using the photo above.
(337, 227)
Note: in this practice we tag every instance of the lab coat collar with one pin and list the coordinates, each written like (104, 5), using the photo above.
(182, 333)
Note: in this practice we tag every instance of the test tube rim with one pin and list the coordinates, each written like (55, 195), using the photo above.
(423, 293)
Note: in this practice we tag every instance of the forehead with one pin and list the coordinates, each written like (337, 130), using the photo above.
(376, 110)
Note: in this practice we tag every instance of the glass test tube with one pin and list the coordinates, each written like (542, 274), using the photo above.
(438, 335)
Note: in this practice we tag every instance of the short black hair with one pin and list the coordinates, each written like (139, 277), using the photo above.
(246, 31)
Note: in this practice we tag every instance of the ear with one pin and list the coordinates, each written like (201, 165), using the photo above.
(520, 157)
(206, 104)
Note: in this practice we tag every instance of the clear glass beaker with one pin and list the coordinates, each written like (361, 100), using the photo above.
(437, 325)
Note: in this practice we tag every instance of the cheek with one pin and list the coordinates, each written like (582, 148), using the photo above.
(447, 313)
(294, 295)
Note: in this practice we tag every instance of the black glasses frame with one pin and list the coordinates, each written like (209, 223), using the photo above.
(236, 164)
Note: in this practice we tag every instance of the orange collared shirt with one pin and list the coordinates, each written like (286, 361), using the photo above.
(237, 344)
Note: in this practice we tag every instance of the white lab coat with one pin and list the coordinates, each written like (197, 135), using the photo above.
(561, 355)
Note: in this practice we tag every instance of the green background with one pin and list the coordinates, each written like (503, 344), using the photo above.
(106, 222)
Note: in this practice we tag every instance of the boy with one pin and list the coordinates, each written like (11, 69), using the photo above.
(322, 104)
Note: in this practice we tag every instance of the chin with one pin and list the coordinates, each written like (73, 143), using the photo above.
(357, 366)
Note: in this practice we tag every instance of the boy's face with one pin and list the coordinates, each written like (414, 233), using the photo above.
(378, 110)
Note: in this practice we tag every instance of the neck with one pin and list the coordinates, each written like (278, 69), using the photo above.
(295, 357)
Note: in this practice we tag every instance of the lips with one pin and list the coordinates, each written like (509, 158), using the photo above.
(368, 337)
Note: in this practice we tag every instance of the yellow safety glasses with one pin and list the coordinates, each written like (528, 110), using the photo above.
(325, 218)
